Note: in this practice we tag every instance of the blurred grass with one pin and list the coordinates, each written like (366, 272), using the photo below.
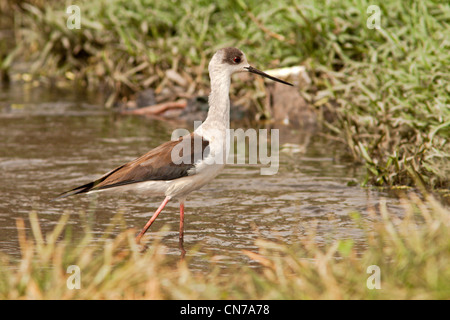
(412, 252)
(387, 90)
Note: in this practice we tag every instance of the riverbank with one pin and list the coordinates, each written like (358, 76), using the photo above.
(396, 261)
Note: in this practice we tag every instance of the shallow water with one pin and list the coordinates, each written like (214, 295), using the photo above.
(52, 141)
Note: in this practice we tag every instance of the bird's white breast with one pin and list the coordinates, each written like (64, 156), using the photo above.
(201, 174)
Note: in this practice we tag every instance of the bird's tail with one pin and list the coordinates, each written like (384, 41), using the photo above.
(81, 189)
(86, 187)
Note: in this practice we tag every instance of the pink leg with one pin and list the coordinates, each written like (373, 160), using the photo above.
(181, 220)
(181, 238)
(153, 218)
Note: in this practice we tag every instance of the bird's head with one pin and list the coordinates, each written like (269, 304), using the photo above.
(232, 60)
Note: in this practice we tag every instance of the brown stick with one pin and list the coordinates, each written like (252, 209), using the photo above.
(158, 108)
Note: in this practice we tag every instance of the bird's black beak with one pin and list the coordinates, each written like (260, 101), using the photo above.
(256, 71)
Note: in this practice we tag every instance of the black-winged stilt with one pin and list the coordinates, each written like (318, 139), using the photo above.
(176, 168)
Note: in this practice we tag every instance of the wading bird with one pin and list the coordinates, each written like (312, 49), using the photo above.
(176, 168)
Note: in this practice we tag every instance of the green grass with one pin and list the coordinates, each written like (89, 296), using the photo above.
(388, 89)
(412, 252)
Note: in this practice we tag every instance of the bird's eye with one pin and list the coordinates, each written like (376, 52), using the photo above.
(237, 59)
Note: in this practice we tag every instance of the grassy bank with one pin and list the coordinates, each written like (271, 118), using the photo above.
(387, 89)
(412, 253)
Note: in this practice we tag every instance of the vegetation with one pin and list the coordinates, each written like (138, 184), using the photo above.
(117, 269)
(387, 89)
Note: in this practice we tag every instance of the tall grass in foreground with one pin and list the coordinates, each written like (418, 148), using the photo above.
(412, 252)
(388, 89)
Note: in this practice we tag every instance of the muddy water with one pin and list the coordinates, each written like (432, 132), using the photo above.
(52, 141)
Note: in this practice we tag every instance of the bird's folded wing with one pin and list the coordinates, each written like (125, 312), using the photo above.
(169, 161)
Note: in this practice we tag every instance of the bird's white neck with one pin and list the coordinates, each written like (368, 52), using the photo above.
(219, 102)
